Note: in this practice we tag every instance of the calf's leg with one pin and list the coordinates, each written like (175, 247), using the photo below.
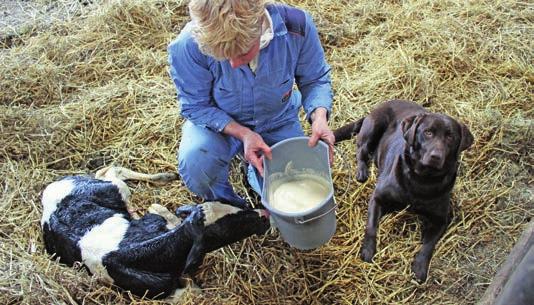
(172, 219)
(121, 173)
(117, 175)
(143, 282)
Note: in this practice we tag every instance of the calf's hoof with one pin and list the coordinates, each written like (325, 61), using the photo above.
(164, 178)
(178, 295)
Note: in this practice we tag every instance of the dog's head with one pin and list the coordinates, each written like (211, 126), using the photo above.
(434, 142)
(215, 224)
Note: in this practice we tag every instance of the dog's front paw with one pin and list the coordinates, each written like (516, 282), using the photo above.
(362, 173)
(420, 267)
(368, 249)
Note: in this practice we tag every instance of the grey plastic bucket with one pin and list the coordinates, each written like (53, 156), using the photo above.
(314, 227)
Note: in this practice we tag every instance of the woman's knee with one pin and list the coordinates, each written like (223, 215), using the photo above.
(201, 170)
(204, 157)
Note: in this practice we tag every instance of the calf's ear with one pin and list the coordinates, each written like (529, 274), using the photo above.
(467, 138)
(194, 258)
(184, 211)
(409, 128)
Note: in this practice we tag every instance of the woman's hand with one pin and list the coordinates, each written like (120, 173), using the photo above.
(254, 146)
(320, 130)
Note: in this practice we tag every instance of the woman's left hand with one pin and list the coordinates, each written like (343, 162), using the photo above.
(320, 130)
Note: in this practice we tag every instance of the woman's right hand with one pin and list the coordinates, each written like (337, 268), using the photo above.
(254, 146)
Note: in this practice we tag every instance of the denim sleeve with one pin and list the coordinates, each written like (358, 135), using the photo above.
(312, 74)
(190, 73)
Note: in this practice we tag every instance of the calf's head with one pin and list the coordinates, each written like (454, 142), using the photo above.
(218, 225)
(434, 142)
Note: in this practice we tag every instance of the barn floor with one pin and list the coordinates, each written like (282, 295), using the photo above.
(87, 86)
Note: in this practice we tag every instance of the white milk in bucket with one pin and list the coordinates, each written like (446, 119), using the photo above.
(299, 194)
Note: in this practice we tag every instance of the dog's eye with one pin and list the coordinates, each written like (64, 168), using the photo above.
(428, 133)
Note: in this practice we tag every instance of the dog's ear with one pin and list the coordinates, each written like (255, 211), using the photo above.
(194, 258)
(466, 140)
(409, 128)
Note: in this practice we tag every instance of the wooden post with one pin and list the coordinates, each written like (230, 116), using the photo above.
(519, 251)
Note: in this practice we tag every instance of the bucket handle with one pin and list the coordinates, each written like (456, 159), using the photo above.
(346, 165)
(301, 220)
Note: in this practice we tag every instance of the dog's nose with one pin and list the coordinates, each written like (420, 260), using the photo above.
(435, 159)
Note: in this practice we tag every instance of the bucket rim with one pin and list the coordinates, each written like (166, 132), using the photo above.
(293, 139)
(318, 206)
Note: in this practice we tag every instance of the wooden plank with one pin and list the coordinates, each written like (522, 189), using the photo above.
(518, 252)
(519, 287)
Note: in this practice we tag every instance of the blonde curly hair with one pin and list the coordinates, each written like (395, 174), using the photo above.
(226, 28)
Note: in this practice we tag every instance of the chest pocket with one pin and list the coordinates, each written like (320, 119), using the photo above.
(279, 84)
(286, 87)
(276, 90)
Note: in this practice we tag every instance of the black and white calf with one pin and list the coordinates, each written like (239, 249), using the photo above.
(87, 220)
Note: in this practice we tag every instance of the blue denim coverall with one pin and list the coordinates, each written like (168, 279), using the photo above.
(212, 94)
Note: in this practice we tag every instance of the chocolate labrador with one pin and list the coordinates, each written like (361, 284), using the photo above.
(416, 153)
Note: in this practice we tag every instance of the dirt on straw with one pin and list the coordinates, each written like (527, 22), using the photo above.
(93, 89)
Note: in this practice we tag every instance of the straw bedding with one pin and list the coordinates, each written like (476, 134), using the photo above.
(93, 90)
